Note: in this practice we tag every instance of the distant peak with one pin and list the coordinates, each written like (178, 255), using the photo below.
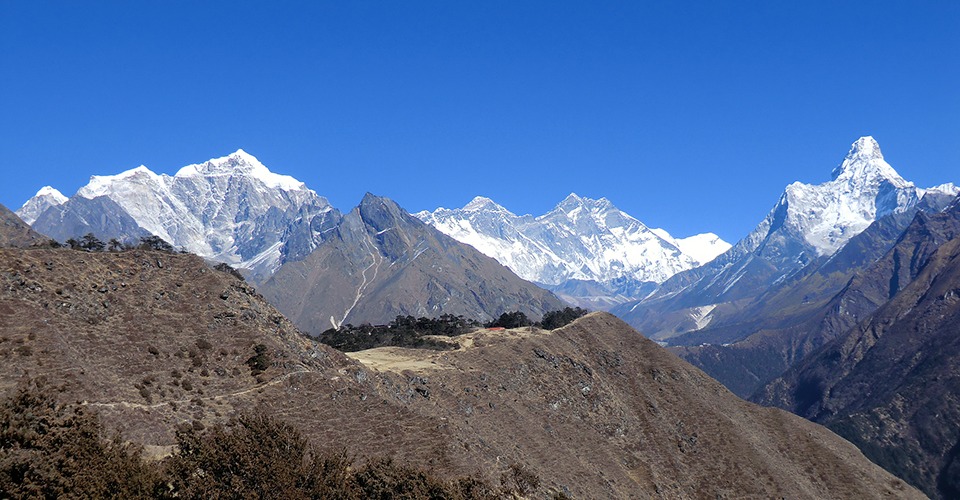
(51, 192)
(865, 162)
(100, 185)
(241, 163)
(948, 189)
(866, 148)
(140, 172)
(369, 197)
(238, 160)
(573, 201)
(482, 203)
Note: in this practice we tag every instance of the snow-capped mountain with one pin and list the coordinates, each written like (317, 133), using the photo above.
(230, 209)
(808, 222)
(581, 240)
(45, 198)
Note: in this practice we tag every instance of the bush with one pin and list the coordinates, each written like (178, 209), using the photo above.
(257, 456)
(48, 450)
(260, 360)
(53, 451)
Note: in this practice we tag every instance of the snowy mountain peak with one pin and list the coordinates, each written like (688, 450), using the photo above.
(244, 164)
(574, 205)
(570, 202)
(865, 148)
(45, 198)
(101, 185)
(53, 193)
(580, 240)
(864, 165)
(823, 217)
(482, 203)
(230, 209)
(948, 188)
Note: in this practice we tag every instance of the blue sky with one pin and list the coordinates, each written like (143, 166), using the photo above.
(691, 116)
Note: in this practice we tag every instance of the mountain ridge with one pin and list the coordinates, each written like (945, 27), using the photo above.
(231, 209)
(579, 240)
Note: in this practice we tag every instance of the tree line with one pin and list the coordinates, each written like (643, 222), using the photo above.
(90, 243)
(408, 331)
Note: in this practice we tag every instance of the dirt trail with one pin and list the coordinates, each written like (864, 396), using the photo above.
(128, 404)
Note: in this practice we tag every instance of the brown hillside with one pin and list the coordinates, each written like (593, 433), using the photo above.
(153, 340)
(16, 233)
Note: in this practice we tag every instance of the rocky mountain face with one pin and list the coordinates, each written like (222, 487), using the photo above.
(230, 209)
(234, 210)
(151, 340)
(808, 222)
(380, 262)
(14, 232)
(588, 251)
(890, 384)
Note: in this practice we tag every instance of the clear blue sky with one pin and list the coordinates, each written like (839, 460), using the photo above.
(691, 116)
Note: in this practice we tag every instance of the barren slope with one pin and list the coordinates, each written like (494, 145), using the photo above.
(602, 411)
(16, 233)
(153, 340)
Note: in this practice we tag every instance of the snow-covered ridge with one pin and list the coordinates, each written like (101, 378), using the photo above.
(232, 209)
(580, 239)
(241, 161)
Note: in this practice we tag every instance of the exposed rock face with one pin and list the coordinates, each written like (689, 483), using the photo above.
(891, 384)
(151, 340)
(381, 262)
(16, 233)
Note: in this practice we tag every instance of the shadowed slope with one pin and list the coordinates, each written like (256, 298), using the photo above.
(891, 383)
(16, 233)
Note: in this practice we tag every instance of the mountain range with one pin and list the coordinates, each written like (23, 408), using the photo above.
(230, 209)
(889, 382)
(322, 268)
(588, 251)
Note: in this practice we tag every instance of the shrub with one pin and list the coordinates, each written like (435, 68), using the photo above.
(260, 360)
(53, 451)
